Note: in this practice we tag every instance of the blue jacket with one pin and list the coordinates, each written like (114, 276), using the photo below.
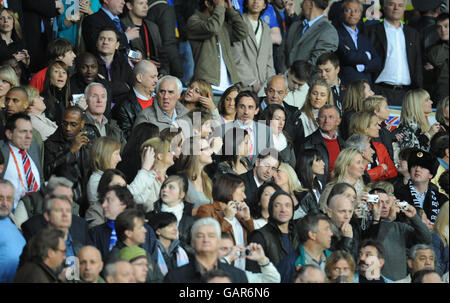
(350, 56)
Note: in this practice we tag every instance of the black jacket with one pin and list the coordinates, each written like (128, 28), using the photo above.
(307, 201)
(32, 272)
(164, 16)
(315, 140)
(126, 111)
(386, 138)
(112, 130)
(189, 274)
(6, 51)
(250, 186)
(377, 36)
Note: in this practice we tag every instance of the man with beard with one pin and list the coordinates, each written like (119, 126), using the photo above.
(370, 262)
(43, 258)
(86, 72)
(278, 238)
(69, 145)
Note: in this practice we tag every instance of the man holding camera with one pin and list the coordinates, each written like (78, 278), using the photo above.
(395, 236)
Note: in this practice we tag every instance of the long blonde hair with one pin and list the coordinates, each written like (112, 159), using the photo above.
(373, 103)
(360, 122)
(412, 108)
(307, 107)
(293, 181)
(354, 96)
(160, 146)
(442, 223)
(101, 152)
(342, 162)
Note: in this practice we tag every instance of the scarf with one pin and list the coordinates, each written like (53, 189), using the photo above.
(176, 210)
(113, 239)
(434, 202)
(182, 257)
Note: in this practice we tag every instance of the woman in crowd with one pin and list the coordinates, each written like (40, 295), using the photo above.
(440, 240)
(170, 252)
(348, 168)
(193, 164)
(42, 124)
(319, 94)
(287, 180)
(260, 206)
(226, 106)
(275, 116)
(352, 103)
(199, 94)
(234, 156)
(382, 167)
(230, 210)
(8, 80)
(414, 126)
(56, 93)
(309, 166)
(340, 267)
(171, 200)
(205, 123)
(11, 42)
(442, 114)
(130, 164)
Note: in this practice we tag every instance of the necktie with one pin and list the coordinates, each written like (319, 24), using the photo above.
(250, 143)
(116, 21)
(113, 239)
(305, 26)
(31, 181)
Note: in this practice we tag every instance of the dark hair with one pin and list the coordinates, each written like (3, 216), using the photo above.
(227, 235)
(84, 56)
(377, 191)
(45, 239)
(377, 244)
(304, 169)
(308, 223)
(216, 273)
(58, 47)
(123, 194)
(338, 189)
(106, 178)
(269, 152)
(325, 57)
(302, 70)
(11, 121)
(202, 6)
(444, 182)
(221, 104)
(322, 4)
(125, 221)
(442, 17)
(268, 112)
(245, 7)
(225, 186)
(49, 91)
(439, 143)
(20, 89)
(2, 159)
(255, 205)
(405, 153)
(246, 93)
(420, 275)
(232, 139)
(159, 220)
(272, 201)
(108, 28)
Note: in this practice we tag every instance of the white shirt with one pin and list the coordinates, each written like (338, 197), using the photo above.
(298, 97)
(279, 142)
(258, 34)
(225, 81)
(396, 69)
(12, 175)
(177, 210)
(308, 124)
(238, 233)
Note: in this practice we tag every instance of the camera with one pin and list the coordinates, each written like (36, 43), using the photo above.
(246, 253)
(372, 199)
(403, 205)
(132, 54)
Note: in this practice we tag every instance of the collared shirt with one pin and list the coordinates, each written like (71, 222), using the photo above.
(100, 126)
(263, 104)
(421, 197)
(173, 118)
(11, 174)
(70, 252)
(310, 260)
(396, 68)
(202, 270)
(256, 181)
(354, 35)
(251, 133)
(328, 137)
(238, 233)
(112, 17)
(225, 81)
(311, 22)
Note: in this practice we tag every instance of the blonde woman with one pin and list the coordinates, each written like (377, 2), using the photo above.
(414, 125)
(12, 43)
(381, 167)
(8, 80)
(319, 94)
(287, 180)
(349, 168)
(440, 239)
(199, 94)
(42, 124)
(352, 103)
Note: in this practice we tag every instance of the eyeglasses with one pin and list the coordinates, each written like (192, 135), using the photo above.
(266, 165)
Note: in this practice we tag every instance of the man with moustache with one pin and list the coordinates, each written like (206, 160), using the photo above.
(370, 262)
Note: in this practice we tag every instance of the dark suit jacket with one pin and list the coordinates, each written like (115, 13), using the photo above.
(377, 36)
(78, 230)
(250, 186)
(126, 111)
(91, 28)
(350, 56)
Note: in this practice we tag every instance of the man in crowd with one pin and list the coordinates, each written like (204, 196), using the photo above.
(440, 149)
(370, 262)
(420, 256)
(326, 138)
(308, 39)
(399, 48)
(91, 264)
(141, 96)
(328, 66)
(11, 239)
(119, 271)
(310, 273)
(205, 241)
(298, 75)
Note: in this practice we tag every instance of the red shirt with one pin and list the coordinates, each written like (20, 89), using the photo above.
(38, 79)
(145, 103)
(333, 151)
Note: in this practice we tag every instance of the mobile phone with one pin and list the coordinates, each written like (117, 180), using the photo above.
(76, 98)
(372, 199)
(132, 54)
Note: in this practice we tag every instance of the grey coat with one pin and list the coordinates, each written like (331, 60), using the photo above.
(320, 38)
(253, 63)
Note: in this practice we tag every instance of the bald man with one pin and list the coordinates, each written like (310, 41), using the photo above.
(119, 272)
(91, 265)
(345, 236)
(145, 77)
(276, 91)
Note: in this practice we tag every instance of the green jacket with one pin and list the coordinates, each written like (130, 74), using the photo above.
(301, 258)
(204, 34)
